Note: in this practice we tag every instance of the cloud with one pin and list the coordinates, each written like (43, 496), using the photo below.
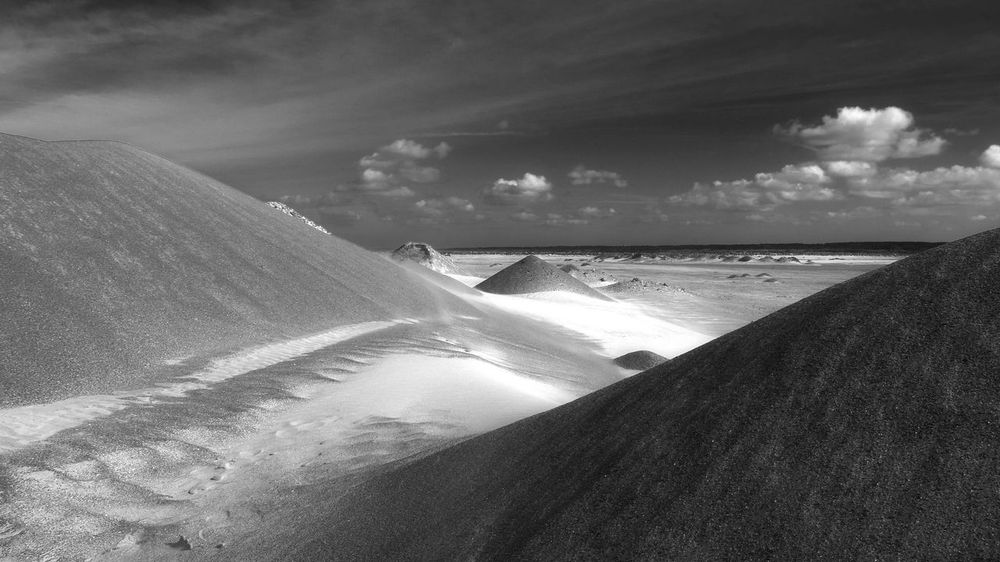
(384, 171)
(862, 212)
(793, 183)
(412, 150)
(596, 212)
(444, 209)
(957, 185)
(401, 191)
(866, 135)
(581, 216)
(375, 180)
(558, 219)
(580, 175)
(653, 214)
(419, 174)
(850, 168)
(323, 199)
(528, 189)
(991, 156)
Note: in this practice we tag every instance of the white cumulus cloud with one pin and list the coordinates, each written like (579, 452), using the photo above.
(850, 168)
(957, 185)
(384, 171)
(413, 150)
(528, 189)
(866, 135)
(767, 190)
(991, 156)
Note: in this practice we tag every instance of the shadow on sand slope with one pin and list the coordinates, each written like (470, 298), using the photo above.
(113, 261)
(218, 457)
(859, 422)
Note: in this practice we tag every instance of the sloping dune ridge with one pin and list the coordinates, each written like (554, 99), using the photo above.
(114, 261)
(861, 422)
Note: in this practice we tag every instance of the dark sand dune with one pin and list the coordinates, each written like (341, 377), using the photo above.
(534, 275)
(427, 256)
(113, 260)
(640, 360)
(861, 422)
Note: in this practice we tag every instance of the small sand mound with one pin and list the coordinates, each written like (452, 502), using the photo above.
(636, 285)
(640, 360)
(763, 275)
(745, 259)
(633, 285)
(569, 268)
(770, 280)
(738, 276)
(426, 256)
(534, 275)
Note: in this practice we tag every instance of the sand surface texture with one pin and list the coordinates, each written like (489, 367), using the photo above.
(799, 436)
(187, 372)
(114, 260)
(534, 275)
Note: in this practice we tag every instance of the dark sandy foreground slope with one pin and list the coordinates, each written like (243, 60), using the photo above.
(113, 260)
(861, 422)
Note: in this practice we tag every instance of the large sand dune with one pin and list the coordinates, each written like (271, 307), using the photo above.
(114, 261)
(181, 360)
(858, 423)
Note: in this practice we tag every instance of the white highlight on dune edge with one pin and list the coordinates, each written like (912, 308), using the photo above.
(24, 425)
(370, 416)
(617, 327)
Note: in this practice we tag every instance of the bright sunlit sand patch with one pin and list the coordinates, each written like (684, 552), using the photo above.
(618, 327)
(400, 405)
(24, 425)
(469, 280)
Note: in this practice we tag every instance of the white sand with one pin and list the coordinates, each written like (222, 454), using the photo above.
(615, 327)
(375, 415)
(24, 425)
(469, 280)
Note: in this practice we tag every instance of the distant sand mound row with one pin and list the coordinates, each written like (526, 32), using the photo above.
(636, 285)
(860, 422)
(427, 256)
(534, 275)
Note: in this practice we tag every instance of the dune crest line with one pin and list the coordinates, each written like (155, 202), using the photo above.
(24, 425)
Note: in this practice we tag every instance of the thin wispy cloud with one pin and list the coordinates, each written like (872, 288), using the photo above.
(629, 105)
(581, 175)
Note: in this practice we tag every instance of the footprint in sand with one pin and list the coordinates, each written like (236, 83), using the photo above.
(9, 531)
(206, 478)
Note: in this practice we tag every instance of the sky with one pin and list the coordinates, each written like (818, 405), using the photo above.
(484, 123)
